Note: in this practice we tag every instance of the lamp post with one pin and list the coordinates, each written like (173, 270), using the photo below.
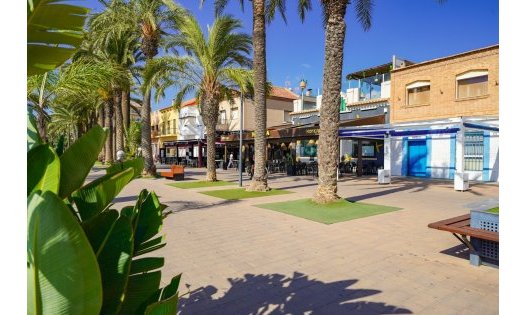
(240, 141)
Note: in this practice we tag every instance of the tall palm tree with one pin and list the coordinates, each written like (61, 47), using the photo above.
(263, 12)
(152, 17)
(334, 21)
(214, 67)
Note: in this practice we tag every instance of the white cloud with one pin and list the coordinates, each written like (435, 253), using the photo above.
(306, 65)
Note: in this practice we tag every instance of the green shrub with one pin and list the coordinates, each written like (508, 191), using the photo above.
(83, 257)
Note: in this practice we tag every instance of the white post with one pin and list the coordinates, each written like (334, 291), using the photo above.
(461, 181)
(459, 165)
(387, 153)
(384, 176)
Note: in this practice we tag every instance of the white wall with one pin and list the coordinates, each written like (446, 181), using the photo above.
(385, 89)
(494, 157)
(440, 155)
(397, 147)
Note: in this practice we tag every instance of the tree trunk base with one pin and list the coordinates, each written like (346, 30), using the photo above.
(325, 194)
(211, 177)
(152, 171)
(256, 185)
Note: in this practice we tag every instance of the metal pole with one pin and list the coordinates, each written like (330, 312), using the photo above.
(239, 164)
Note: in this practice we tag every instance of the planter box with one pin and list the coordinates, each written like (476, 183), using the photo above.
(488, 251)
(384, 176)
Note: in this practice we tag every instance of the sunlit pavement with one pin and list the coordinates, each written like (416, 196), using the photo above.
(239, 259)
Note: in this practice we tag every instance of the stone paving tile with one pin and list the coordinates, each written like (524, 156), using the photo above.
(240, 259)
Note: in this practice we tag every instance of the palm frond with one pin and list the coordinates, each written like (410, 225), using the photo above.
(303, 7)
(364, 9)
(271, 7)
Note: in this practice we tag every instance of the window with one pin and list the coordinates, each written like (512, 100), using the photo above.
(473, 151)
(367, 149)
(286, 115)
(308, 148)
(235, 113)
(472, 84)
(418, 93)
(222, 117)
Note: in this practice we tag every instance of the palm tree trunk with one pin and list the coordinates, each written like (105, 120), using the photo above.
(108, 123)
(119, 131)
(259, 181)
(100, 122)
(210, 113)
(330, 104)
(125, 99)
(146, 138)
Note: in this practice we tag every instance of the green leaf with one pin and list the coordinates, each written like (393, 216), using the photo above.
(146, 264)
(171, 289)
(99, 227)
(54, 32)
(149, 219)
(97, 195)
(149, 246)
(62, 272)
(59, 148)
(169, 299)
(78, 159)
(43, 169)
(114, 262)
(140, 289)
(33, 137)
(137, 165)
(112, 239)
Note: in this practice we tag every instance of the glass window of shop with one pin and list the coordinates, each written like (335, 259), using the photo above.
(308, 148)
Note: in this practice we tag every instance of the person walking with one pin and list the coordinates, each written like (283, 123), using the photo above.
(230, 160)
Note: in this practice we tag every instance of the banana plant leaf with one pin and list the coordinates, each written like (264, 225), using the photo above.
(97, 195)
(33, 138)
(78, 159)
(144, 280)
(54, 32)
(137, 165)
(167, 304)
(62, 271)
(43, 170)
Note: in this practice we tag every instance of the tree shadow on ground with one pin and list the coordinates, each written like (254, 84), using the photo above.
(411, 185)
(181, 205)
(279, 294)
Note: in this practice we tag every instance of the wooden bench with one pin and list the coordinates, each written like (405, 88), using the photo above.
(176, 172)
(461, 229)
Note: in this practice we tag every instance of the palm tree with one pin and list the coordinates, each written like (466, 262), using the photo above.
(152, 17)
(215, 66)
(263, 12)
(334, 21)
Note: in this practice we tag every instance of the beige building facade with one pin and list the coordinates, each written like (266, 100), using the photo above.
(465, 84)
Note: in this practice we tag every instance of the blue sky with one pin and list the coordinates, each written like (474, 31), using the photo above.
(417, 30)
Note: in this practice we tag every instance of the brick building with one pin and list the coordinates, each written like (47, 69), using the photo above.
(443, 118)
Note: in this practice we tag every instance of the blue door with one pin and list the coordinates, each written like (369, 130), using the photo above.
(417, 158)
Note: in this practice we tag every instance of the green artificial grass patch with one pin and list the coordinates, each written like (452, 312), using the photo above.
(200, 184)
(241, 193)
(494, 210)
(338, 211)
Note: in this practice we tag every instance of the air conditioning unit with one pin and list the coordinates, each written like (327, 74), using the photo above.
(461, 181)
(384, 176)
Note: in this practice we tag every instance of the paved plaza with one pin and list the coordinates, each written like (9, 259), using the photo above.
(240, 259)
